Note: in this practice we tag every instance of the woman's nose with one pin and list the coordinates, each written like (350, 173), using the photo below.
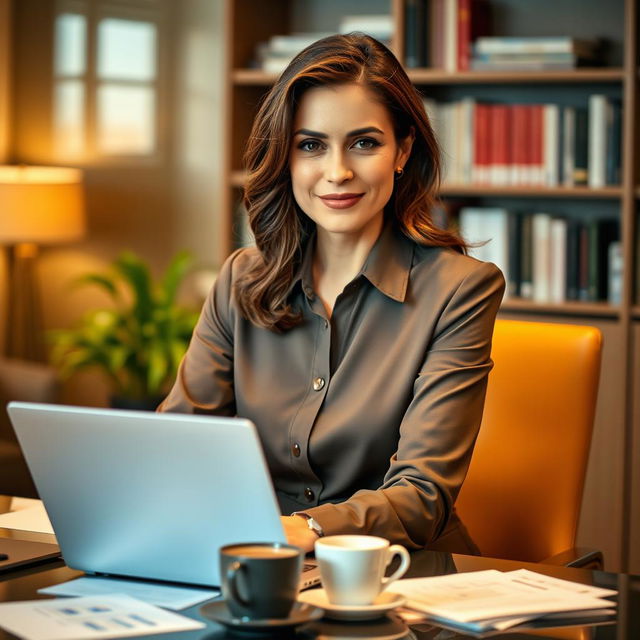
(337, 170)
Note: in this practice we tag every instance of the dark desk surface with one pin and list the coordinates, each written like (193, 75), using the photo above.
(23, 585)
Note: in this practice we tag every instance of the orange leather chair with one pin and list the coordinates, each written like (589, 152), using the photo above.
(521, 498)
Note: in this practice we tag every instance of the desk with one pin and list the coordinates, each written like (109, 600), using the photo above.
(23, 585)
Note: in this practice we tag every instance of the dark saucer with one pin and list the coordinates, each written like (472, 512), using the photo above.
(301, 613)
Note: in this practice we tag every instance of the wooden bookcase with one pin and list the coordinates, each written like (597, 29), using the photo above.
(611, 507)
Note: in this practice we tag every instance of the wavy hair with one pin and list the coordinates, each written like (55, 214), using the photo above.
(279, 226)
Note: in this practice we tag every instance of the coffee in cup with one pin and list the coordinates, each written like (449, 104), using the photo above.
(352, 567)
(260, 580)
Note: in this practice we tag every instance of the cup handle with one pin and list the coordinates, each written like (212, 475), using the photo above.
(232, 574)
(405, 561)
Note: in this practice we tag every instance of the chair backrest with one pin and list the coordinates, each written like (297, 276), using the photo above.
(521, 498)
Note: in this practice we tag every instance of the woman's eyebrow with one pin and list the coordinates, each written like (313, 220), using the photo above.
(355, 132)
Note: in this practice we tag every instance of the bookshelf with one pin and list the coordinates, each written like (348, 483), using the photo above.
(611, 507)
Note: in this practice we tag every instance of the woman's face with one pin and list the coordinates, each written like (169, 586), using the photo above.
(342, 158)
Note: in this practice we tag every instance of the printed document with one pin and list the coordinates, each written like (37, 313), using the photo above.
(161, 595)
(114, 616)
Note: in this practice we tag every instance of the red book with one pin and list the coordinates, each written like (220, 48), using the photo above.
(536, 165)
(481, 142)
(464, 34)
(499, 147)
(519, 143)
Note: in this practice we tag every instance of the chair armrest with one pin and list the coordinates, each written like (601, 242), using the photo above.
(580, 557)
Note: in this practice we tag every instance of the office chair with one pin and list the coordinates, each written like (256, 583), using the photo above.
(521, 498)
(29, 381)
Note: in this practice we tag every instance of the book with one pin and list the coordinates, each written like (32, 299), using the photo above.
(597, 140)
(561, 44)
(573, 259)
(568, 146)
(450, 43)
(558, 261)
(487, 230)
(414, 33)
(581, 147)
(541, 242)
(614, 143)
(551, 127)
(615, 262)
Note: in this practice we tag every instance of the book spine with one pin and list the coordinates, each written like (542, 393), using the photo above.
(597, 142)
(450, 35)
(615, 273)
(467, 134)
(581, 146)
(436, 31)
(494, 44)
(526, 268)
(536, 170)
(541, 232)
(568, 146)
(499, 146)
(481, 157)
(558, 261)
(551, 114)
(412, 37)
(514, 268)
(583, 264)
(614, 142)
(518, 143)
(464, 34)
(573, 259)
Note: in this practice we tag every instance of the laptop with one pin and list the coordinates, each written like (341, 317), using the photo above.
(149, 495)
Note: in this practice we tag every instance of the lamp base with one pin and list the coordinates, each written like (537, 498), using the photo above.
(23, 331)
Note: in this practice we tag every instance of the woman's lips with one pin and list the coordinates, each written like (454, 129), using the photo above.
(341, 200)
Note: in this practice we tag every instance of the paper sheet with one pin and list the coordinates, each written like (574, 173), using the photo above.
(167, 596)
(32, 518)
(492, 599)
(112, 616)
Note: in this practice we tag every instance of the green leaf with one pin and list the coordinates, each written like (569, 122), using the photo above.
(174, 275)
(158, 367)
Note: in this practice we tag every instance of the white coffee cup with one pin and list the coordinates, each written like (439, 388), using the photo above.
(352, 567)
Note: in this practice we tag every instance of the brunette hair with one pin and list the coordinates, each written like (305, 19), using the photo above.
(279, 226)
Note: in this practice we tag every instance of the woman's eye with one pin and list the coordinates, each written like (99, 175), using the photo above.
(366, 144)
(309, 146)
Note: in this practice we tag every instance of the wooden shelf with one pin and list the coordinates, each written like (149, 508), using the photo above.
(256, 77)
(612, 192)
(582, 309)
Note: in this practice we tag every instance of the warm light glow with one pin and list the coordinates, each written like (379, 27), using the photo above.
(40, 204)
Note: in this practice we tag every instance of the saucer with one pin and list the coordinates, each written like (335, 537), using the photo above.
(301, 613)
(385, 602)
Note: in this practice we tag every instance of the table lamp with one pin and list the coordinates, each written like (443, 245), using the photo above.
(38, 206)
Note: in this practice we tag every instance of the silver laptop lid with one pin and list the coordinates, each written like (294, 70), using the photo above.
(150, 495)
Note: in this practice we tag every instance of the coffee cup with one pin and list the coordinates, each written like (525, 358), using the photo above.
(260, 580)
(352, 567)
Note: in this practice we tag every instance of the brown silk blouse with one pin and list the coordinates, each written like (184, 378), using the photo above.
(367, 420)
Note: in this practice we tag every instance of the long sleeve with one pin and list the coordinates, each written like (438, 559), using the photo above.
(439, 427)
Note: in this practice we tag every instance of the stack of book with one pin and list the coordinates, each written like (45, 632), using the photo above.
(533, 54)
(545, 258)
(439, 33)
(274, 55)
(529, 144)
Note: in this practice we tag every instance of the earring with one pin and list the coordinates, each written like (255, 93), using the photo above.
(399, 172)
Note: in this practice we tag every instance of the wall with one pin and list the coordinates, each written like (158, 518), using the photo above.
(154, 208)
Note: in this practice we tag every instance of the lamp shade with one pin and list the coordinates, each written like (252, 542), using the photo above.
(43, 205)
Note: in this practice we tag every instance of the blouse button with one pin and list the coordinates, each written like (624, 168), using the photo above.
(318, 384)
(296, 450)
(309, 496)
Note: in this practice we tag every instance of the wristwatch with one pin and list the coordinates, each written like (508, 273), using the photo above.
(311, 523)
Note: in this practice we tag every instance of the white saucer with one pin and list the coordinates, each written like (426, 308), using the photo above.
(385, 602)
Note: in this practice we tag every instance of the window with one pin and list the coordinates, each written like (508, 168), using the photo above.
(106, 84)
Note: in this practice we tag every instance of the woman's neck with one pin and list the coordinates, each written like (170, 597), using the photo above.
(337, 260)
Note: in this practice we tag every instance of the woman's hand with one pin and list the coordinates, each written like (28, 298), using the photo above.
(298, 533)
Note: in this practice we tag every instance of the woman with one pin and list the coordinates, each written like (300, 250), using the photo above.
(356, 335)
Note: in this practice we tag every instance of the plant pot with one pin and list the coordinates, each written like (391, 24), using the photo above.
(135, 404)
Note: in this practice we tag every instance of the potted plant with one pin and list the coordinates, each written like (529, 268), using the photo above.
(139, 342)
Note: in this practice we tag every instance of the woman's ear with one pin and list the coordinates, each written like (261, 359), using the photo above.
(404, 148)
